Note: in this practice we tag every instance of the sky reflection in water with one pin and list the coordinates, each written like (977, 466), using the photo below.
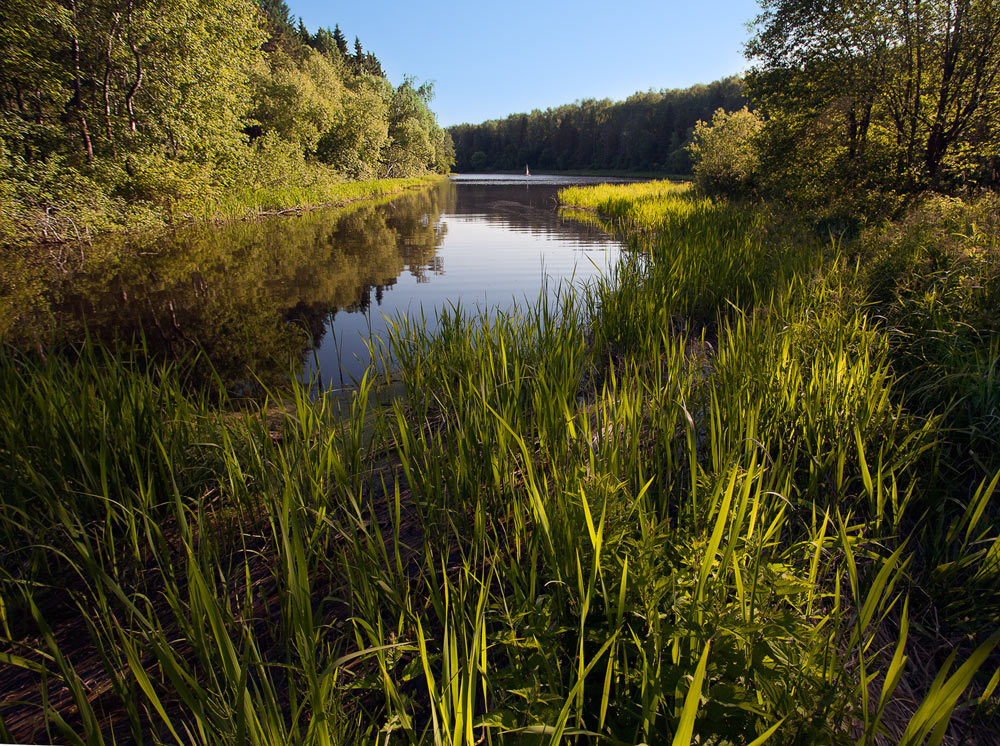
(259, 299)
(500, 241)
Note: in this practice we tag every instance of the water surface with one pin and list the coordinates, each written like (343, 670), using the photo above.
(500, 240)
(264, 297)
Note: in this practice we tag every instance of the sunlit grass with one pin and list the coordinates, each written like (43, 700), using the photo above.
(680, 505)
(252, 201)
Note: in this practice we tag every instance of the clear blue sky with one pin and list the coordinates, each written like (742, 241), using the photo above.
(491, 59)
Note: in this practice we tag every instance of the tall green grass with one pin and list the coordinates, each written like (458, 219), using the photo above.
(319, 191)
(674, 506)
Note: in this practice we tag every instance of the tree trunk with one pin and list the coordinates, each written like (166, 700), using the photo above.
(19, 96)
(77, 101)
(130, 96)
(937, 140)
(112, 34)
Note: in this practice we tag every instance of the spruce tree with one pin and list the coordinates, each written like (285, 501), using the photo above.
(340, 39)
(279, 14)
(373, 66)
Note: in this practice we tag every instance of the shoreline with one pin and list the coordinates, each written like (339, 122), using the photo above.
(660, 175)
(34, 235)
(299, 209)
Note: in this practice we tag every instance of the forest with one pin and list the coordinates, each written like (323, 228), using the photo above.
(129, 113)
(647, 132)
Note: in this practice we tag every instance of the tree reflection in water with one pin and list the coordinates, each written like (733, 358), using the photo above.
(256, 298)
(253, 297)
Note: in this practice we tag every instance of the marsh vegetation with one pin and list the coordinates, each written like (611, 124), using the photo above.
(716, 496)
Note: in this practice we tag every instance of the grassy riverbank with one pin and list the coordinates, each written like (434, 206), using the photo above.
(256, 202)
(734, 493)
(72, 211)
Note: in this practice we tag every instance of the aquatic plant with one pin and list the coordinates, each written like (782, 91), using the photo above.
(688, 503)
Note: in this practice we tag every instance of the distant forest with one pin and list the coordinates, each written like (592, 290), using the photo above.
(646, 132)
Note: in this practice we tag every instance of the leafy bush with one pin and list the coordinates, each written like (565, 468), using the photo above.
(725, 154)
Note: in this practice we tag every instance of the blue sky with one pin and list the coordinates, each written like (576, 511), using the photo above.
(490, 59)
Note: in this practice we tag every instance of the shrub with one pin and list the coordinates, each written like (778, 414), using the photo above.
(725, 155)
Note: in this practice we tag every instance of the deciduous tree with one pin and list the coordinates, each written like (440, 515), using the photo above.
(901, 94)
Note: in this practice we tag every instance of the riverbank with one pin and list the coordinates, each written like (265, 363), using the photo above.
(39, 276)
(697, 501)
(289, 200)
(862, 367)
(644, 175)
(78, 212)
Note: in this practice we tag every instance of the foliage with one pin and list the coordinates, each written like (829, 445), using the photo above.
(646, 132)
(297, 99)
(149, 106)
(935, 274)
(874, 96)
(725, 153)
(414, 136)
(355, 143)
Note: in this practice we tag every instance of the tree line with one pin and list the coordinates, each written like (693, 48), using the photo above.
(646, 132)
(155, 101)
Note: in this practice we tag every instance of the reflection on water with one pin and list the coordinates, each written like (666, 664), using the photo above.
(502, 241)
(258, 296)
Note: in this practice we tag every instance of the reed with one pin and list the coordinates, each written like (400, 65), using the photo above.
(681, 504)
(321, 190)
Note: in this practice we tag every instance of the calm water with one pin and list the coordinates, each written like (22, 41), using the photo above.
(498, 241)
(260, 296)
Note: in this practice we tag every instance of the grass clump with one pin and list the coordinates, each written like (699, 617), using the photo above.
(689, 503)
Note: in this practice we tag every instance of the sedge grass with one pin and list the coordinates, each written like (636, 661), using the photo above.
(677, 505)
(324, 190)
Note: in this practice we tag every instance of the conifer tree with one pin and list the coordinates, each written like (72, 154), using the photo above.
(372, 66)
(279, 14)
(340, 40)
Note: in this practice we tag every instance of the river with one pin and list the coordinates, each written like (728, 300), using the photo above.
(302, 294)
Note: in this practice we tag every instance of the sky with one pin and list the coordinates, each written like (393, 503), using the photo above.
(491, 59)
